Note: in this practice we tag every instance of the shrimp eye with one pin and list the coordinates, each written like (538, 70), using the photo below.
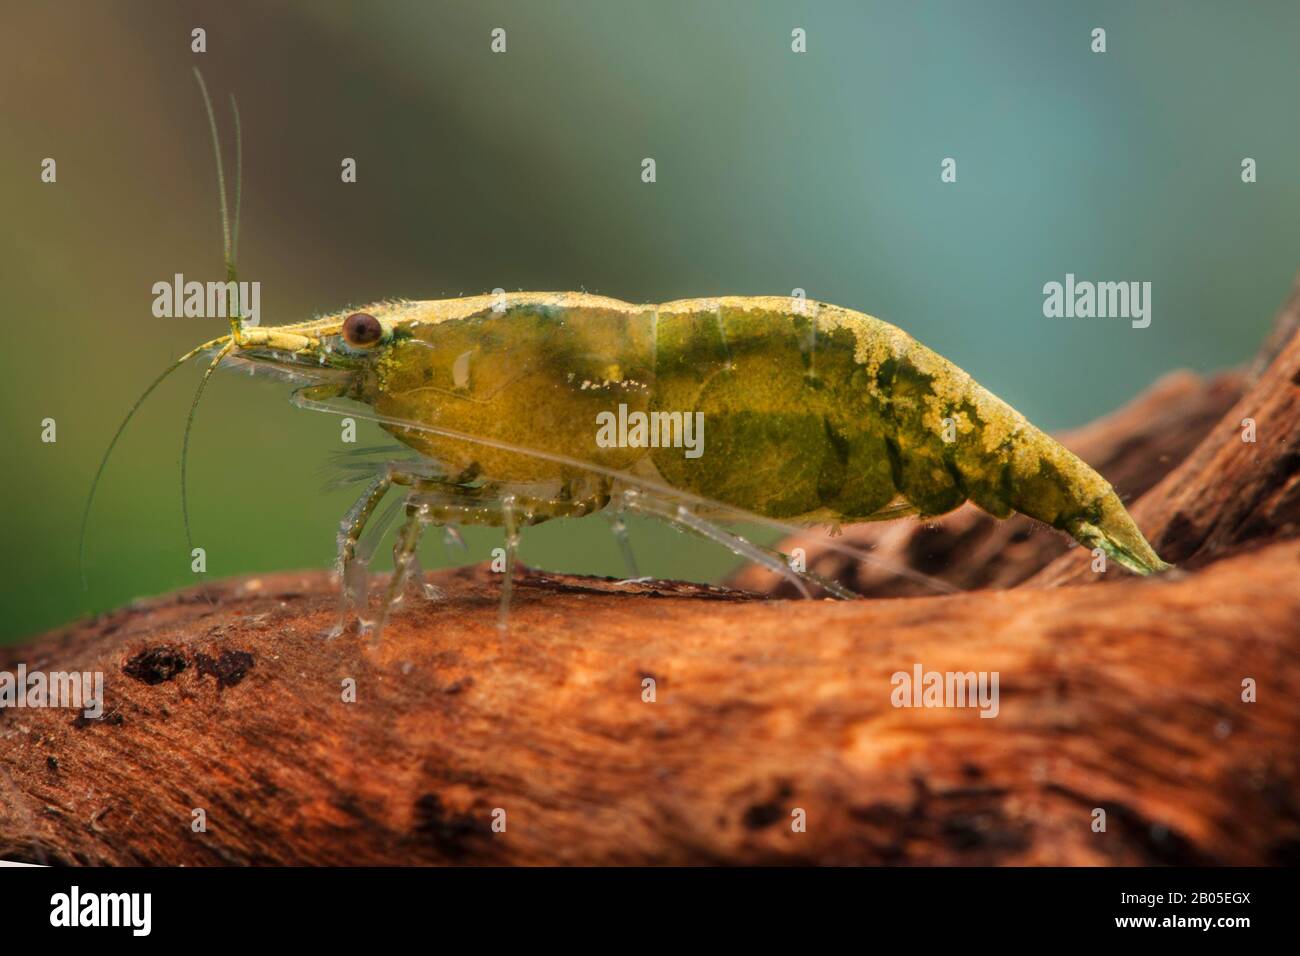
(362, 329)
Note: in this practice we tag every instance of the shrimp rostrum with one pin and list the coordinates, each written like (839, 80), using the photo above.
(531, 406)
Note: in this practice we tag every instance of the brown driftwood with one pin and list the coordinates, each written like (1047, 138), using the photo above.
(1132, 705)
(1128, 701)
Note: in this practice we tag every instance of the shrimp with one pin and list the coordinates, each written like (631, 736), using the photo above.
(833, 417)
(525, 407)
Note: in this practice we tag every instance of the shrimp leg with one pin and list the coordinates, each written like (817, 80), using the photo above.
(619, 527)
(406, 566)
(432, 502)
(353, 567)
(353, 572)
(511, 527)
(680, 516)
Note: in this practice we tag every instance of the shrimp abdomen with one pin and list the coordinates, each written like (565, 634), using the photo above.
(820, 413)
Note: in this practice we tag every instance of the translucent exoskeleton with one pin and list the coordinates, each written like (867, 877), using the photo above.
(519, 408)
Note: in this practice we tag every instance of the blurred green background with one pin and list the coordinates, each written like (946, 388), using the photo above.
(522, 170)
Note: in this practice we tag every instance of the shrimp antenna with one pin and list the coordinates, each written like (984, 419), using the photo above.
(103, 462)
(229, 249)
(230, 242)
(229, 237)
(185, 445)
(239, 189)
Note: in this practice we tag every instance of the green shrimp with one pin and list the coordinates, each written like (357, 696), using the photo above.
(525, 407)
(808, 414)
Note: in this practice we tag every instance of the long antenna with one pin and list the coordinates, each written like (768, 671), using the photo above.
(229, 238)
(229, 246)
(103, 462)
(185, 445)
(221, 170)
(239, 188)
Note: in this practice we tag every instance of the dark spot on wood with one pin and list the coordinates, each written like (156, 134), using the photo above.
(52, 763)
(452, 835)
(113, 719)
(760, 815)
(155, 665)
(229, 669)
(877, 814)
(931, 550)
(963, 833)
(1159, 844)
(1181, 538)
(1287, 507)
(983, 829)
(1286, 465)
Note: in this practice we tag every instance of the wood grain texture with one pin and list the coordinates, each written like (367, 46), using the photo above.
(1132, 705)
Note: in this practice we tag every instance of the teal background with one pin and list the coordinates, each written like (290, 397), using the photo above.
(522, 170)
